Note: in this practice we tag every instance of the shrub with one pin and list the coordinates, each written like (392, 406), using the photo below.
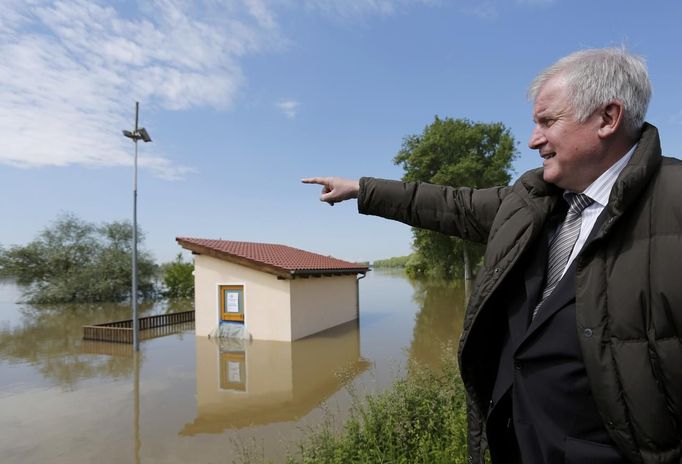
(178, 278)
(421, 419)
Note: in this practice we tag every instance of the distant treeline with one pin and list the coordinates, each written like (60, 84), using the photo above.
(395, 262)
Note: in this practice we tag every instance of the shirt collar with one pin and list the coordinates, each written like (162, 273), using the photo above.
(600, 189)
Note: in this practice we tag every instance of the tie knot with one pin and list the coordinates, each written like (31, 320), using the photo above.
(578, 202)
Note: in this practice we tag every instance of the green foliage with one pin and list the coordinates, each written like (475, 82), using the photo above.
(459, 152)
(454, 152)
(395, 262)
(421, 419)
(178, 278)
(76, 261)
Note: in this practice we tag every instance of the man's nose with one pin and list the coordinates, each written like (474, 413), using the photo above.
(537, 139)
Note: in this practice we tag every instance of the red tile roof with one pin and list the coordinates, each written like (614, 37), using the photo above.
(278, 259)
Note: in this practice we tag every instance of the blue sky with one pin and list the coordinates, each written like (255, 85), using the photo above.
(243, 98)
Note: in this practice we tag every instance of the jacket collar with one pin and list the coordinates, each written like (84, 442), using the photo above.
(644, 163)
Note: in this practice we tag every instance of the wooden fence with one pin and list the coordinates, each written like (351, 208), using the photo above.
(150, 327)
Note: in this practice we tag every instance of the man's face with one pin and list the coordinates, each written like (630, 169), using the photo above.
(571, 151)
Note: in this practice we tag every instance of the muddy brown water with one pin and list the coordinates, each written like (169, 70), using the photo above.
(190, 399)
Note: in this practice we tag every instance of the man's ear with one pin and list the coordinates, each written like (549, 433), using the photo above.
(612, 115)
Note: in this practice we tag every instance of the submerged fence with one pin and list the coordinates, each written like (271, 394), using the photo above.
(150, 327)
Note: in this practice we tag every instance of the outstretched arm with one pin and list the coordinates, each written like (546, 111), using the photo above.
(335, 189)
(462, 212)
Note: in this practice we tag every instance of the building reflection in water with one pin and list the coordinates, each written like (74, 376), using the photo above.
(242, 383)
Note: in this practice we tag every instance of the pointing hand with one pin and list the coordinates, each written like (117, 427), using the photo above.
(335, 189)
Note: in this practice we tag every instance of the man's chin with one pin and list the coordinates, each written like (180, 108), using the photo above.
(549, 177)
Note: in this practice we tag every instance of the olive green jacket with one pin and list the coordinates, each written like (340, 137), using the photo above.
(628, 289)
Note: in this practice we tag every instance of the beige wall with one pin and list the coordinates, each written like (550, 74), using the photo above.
(266, 299)
(319, 303)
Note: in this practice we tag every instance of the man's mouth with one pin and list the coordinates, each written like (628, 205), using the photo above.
(548, 155)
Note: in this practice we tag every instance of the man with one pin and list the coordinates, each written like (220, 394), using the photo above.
(571, 348)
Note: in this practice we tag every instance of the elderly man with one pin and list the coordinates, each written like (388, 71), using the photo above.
(571, 350)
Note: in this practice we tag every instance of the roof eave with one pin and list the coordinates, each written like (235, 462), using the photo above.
(319, 272)
(225, 256)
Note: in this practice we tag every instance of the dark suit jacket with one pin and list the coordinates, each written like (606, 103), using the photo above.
(541, 405)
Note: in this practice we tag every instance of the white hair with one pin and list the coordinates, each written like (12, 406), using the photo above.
(597, 76)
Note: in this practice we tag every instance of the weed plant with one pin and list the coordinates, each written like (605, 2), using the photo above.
(420, 419)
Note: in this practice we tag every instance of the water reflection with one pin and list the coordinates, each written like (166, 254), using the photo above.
(244, 383)
(49, 338)
(438, 323)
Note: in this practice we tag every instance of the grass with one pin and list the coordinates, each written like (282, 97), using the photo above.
(420, 419)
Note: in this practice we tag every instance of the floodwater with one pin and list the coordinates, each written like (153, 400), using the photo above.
(190, 399)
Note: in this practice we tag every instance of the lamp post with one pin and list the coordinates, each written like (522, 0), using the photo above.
(138, 134)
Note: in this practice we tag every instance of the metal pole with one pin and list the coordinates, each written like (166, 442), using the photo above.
(136, 406)
(136, 327)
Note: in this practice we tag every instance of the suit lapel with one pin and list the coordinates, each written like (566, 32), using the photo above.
(534, 278)
(564, 293)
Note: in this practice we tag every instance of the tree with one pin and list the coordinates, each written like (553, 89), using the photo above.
(76, 261)
(178, 277)
(455, 152)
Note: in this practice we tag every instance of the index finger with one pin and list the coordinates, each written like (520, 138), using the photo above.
(315, 180)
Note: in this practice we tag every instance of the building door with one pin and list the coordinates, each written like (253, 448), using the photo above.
(231, 303)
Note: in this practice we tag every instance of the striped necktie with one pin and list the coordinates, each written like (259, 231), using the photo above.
(562, 244)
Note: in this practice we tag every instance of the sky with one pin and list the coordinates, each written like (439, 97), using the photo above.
(243, 98)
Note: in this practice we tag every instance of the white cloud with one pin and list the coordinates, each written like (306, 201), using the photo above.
(536, 2)
(358, 8)
(352, 9)
(480, 9)
(72, 69)
(288, 107)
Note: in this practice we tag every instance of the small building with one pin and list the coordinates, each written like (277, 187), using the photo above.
(269, 292)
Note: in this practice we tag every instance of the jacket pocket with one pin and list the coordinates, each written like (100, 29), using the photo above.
(583, 451)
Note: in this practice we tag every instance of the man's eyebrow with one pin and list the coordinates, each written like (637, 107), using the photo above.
(540, 116)
(548, 112)
(540, 112)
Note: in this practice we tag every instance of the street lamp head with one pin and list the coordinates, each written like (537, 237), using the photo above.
(140, 134)
(144, 134)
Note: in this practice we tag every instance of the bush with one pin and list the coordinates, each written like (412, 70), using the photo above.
(178, 278)
(421, 419)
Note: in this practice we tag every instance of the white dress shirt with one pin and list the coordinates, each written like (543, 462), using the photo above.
(599, 191)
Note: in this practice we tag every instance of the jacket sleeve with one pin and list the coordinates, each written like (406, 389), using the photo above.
(463, 212)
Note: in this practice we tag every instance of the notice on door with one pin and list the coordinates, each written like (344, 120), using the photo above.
(232, 302)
